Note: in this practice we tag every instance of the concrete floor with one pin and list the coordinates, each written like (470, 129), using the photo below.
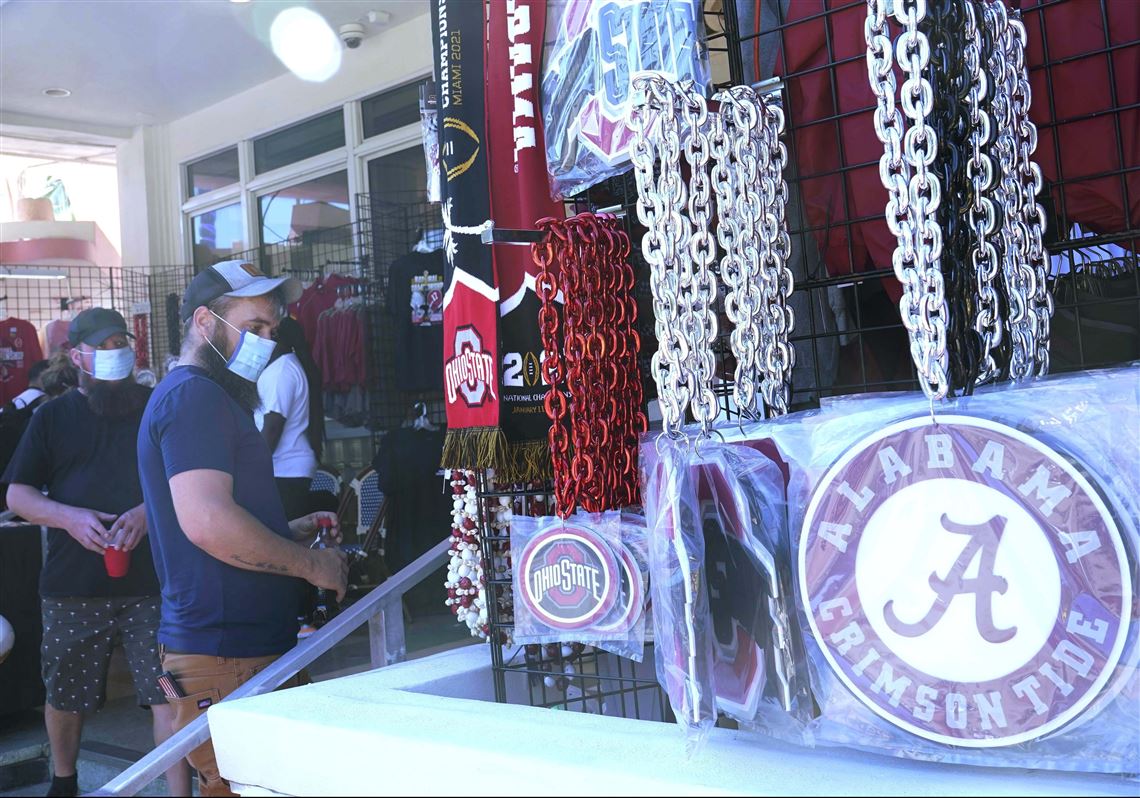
(121, 732)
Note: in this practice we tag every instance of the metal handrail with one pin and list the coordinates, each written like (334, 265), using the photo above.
(155, 763)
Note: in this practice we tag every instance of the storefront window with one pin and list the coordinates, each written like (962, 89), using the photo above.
(212, 172)
(399, 177)
(390, 110)
(298, 142)
(217, 234)
(399, 180)
(299, 211)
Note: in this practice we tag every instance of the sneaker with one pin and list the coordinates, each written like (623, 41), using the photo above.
(306, 630)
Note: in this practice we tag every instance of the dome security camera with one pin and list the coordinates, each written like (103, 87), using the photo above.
(352, 34)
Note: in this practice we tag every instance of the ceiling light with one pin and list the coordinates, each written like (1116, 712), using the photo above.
(57, 92)
(305, 43)
(31, 274)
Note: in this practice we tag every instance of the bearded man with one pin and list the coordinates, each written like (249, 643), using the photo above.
(75, 471)
(231, 565)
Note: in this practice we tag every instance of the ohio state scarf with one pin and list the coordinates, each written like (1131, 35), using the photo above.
(470, 303)
(520, 195)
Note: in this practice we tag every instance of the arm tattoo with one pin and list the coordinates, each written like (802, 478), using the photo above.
(262, 566)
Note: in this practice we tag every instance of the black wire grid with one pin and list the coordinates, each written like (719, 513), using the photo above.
(385, 231)
(849, 337)
(1095, 283)
(41, 294)
(579, 678)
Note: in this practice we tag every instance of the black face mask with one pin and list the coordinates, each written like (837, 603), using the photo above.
(240, 389)
(118, 399)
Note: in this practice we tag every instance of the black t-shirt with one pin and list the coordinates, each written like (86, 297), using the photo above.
(415, 302)
(407, 466)
(87, 461)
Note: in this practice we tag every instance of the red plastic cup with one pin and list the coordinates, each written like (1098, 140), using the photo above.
(117, 562)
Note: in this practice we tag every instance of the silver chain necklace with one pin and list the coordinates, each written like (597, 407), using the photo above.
(736, 163)
(1004, 181)
(661, 200)
(914, 190)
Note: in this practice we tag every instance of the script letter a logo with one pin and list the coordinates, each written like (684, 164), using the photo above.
(983, 541)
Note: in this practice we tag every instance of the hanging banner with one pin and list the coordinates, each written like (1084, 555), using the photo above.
(470, 304)
(520, 195)
(599, 46)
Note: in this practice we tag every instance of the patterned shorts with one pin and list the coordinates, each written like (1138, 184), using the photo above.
(79, 634)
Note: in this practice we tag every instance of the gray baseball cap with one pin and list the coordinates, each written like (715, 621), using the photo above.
(236, 278)
(95, 325)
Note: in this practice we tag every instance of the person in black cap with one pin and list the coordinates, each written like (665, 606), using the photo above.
(231, 564)
(81, 447)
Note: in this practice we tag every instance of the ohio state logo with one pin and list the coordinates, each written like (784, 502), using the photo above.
(470, 372)
(569, 577)
(965, 581)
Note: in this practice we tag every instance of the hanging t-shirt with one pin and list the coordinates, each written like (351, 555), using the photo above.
(407, 466)
(89, 461)
(316, 299)
(55, 336)
(415, 305)
(209, 606)
(284, 389)
(19, 349)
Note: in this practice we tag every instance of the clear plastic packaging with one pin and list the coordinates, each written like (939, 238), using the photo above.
(759, 675)
(568, 580)
(627, 623)
(682, 625)
(967, 583)
(594, 49)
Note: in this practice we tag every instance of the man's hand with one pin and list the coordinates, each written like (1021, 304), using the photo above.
(306, 528)
(129, 529)
(329, 569)
(87, 527)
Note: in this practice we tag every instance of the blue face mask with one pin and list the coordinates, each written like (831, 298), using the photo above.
(251, 355)
(112, 364)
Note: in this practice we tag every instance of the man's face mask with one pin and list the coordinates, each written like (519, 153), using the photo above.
(111, 364)
(251, 355)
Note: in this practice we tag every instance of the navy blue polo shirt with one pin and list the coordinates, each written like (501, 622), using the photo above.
(209, 606)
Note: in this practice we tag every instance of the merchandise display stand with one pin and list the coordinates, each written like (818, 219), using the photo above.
(848, 336)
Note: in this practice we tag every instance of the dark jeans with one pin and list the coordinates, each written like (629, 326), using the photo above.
(295, 496)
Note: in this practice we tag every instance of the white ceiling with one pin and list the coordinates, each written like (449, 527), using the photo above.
(55, 151)
(139, 62)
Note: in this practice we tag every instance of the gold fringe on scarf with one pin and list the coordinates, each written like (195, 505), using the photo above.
(475, 447)
(528, 461)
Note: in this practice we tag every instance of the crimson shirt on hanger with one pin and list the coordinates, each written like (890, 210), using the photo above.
(316, 299)
(19, 349)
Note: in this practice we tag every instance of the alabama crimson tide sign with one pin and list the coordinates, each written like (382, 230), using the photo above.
(965, 581)
(569, 577)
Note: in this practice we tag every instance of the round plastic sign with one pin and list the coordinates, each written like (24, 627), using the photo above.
(570, 577)
(632, 596)
(965, 581)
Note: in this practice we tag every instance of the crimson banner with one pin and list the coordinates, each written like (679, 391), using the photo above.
(520, 195)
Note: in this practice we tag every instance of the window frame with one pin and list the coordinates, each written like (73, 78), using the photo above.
(353, 157)
(283, 128)
(184, 173)
(189, 216)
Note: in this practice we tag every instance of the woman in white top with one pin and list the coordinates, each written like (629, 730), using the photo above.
(291, 416)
